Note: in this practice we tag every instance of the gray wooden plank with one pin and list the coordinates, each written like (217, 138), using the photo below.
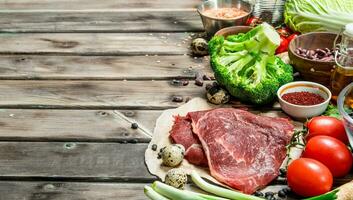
(94, 94)
(95, 43)
(74, 161)
(118, 21)
(76, 125)
(94, 4)
(80, 125)
(13, 190)
(100, 67)
(16, 190)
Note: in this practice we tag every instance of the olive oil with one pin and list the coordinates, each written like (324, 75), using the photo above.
(340, 78)
(342, 74)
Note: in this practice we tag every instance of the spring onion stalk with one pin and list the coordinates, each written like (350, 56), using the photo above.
(220, 191)
(176, 194)
(153, 195)
(343, 192)
(327, 196)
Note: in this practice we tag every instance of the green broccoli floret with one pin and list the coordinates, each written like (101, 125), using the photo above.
(246, 66)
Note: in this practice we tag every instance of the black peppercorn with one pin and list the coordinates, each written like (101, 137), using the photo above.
(134, 125)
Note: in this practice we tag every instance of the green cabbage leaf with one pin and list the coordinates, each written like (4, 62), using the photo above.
(318, 15)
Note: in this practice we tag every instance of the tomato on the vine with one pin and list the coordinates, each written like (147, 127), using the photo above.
(325, 125)
(308, 177)
(283, 47)
(331, 152)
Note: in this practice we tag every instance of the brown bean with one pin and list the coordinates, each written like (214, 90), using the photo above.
(321, 52)
(297, 51)
(185, 82)
(206, 77)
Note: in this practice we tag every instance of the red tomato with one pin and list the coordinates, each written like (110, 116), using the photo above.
(331, 152)
(284, 31)
(308, 177)
(253, 21)
(330, 126)
(283, 47)
(291, 37)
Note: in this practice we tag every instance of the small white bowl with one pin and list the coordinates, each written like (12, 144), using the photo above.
(303, 111)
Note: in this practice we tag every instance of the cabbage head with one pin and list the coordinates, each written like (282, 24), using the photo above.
(318, 15)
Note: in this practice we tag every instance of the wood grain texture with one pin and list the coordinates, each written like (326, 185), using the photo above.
(11, 190)
(30, 190)
(78, 5)
(95, 43)
(78, 161)
(80, 125)
(134, 21)
(94, 94)
(76, 125)
(101, 67)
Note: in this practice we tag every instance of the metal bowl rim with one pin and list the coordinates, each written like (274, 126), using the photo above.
(231, 19)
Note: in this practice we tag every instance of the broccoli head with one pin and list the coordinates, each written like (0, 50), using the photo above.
(246, 66)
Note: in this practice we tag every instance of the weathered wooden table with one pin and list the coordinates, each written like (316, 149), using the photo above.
(74, 75)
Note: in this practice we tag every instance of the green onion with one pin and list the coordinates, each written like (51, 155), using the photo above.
(176, 194)
(327, 196)
(153, 195)
(220, 191)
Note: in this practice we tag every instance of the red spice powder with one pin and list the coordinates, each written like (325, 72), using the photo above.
(303, 98)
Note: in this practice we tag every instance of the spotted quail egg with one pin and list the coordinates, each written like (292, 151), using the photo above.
(176, 178)
(217, 95)
(173, 155)
(199, 47)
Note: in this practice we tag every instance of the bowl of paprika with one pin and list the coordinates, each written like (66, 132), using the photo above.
(303, 99)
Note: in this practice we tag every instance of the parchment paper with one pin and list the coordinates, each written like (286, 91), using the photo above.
(161, 139)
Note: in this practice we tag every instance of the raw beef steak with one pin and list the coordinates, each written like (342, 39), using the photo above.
(244, 151)
(181, 133)
(195, 155)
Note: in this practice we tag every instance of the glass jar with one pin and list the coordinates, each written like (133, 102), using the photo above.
(342, 74)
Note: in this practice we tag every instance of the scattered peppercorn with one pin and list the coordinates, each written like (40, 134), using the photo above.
(258, 194)
(273, 198)
(286, 190)
(177, 99)
(134, 125)
(154, 147)
(269, 194)
(282, 172)
(281, 194)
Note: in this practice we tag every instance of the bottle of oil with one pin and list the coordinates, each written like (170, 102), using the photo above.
(343, 71)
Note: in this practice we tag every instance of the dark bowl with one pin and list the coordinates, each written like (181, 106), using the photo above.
(312, 70)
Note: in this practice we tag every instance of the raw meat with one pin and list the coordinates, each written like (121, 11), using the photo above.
(195, 155)
(244, 151)
(181, 132)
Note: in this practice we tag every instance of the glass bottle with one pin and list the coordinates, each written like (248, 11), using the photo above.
(343, 71)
